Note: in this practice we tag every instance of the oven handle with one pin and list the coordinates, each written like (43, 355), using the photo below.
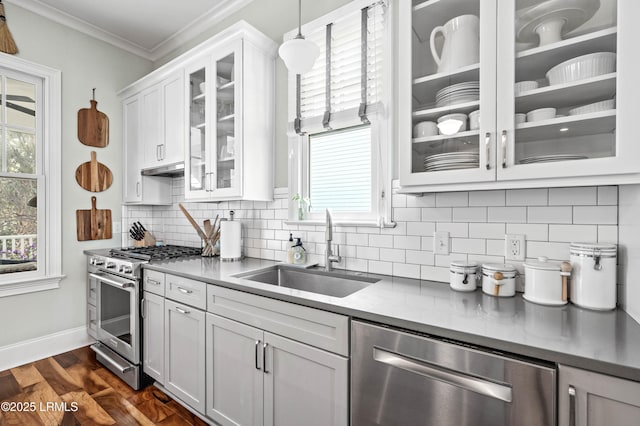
(104, 279)
(461, 380)
(115, 364)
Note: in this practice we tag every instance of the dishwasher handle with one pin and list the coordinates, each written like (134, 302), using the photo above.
(424, 368)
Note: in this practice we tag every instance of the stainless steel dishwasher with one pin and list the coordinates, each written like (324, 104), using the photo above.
(400, 378)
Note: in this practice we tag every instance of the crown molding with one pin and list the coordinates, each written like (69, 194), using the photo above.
(191, 30)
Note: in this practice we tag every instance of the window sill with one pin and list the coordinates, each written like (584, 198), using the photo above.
(30, 285)
(361, 223)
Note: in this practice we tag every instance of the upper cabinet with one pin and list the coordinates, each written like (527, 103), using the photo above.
(524, 93)
(203, 113)
(230, 107)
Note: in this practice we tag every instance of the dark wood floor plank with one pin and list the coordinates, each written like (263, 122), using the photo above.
(66, 359)
(70, 420)
(42, 394)
(89, 411)
(27, 375)
(154, 410)
(57, 376)
(89, 381)
(9, 387)
(114, 382)
(121, 410)
(87, 357)
(187, 415)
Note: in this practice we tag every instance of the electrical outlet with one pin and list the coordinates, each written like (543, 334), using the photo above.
(441, 242)
(514, 245)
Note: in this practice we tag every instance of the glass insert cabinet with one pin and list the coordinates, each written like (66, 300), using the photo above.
(513, 91)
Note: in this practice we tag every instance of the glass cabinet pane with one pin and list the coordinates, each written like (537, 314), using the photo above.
(225, 123)
(197, 134)
(446, 86)
(565, 80)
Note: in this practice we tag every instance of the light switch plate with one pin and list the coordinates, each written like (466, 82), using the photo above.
(441, 242)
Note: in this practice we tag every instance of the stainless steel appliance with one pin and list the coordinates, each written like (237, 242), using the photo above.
(401, 378)
(116, 275)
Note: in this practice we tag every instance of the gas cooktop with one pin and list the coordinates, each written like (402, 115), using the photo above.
(155, 252)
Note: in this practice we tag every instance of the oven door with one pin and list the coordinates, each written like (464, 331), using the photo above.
(118, 316)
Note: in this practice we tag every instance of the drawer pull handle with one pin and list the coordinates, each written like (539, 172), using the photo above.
(184, 290)
(264, 358)
(182, 311)
(152, 282)
(256, 354)
(572, 406)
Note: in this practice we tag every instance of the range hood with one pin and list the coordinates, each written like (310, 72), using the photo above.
(175, 169)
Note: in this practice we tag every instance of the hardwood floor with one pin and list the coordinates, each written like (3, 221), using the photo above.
(74, 389)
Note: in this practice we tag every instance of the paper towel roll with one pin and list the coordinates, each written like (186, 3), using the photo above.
(230, 240)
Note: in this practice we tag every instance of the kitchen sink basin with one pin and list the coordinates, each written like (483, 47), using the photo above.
(336, 284)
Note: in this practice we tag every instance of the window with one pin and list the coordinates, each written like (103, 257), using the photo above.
(339, 156)
(29, 177)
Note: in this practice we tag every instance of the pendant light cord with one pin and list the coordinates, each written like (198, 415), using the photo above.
(299, 19)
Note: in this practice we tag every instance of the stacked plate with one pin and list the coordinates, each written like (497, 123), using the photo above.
(550, 158)
(451, 161)
(458, 93)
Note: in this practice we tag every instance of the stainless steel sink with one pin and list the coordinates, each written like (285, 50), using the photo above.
(334, 284)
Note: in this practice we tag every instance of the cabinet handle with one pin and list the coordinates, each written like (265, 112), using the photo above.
(162, 151)
(264, 358)
(572, 406)
(256, 353)
(182, 311)
(504, 149)
(142, 308)
(138, 188)
(184, 290)
(487, 145)
(152, 282)
(158, 153)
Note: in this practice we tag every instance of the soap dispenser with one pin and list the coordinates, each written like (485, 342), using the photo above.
(290, 249)
(299, 253)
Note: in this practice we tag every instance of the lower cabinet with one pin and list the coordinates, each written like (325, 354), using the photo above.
(258, 378)
(593, 399)
(184, 352)
(153, 335)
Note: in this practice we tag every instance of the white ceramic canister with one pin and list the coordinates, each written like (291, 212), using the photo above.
(543, 282)
(506, 287)
(463, 276)
(593, 281)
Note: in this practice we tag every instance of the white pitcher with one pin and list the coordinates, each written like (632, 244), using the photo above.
(461, 43)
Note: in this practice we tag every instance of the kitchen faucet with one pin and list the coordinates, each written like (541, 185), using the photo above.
(329, 257)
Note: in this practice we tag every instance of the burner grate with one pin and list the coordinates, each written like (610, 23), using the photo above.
(156, 252)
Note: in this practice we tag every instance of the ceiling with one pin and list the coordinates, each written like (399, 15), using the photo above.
(148, 28)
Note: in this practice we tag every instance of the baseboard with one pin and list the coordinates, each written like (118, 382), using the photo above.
(31, 350)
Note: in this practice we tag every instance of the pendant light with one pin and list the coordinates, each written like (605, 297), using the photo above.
(299, 54)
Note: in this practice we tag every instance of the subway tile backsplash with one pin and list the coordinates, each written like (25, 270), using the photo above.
(476, 222)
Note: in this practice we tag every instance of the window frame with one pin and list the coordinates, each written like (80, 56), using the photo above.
(49, 178)
(381, 116)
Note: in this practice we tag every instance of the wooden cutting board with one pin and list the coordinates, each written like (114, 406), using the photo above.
(93, 224)
(94, 176)
(93, 125)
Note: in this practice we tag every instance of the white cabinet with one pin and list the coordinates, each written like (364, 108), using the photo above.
(258, 378)
(230, 111)
(184, 349)
(568, 147)
(138, 189)
(153, 335)
(589, 399)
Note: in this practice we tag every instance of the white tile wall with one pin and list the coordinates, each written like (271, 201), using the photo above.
(476, 221)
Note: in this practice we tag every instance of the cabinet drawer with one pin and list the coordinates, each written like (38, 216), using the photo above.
(185, 290)
(154, 282)
(318, 328)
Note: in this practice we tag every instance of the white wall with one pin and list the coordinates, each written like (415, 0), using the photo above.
(85, 63)
(629, 250)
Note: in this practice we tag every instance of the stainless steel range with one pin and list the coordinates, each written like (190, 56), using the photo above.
(116, 276)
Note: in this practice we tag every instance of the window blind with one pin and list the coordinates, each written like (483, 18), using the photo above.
(346, 48)
(340, 170)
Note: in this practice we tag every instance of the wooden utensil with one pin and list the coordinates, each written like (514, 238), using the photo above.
(93, 224)
(565, 268)
(94, 176)
(193, 223)
(93, 125)
(496, 288)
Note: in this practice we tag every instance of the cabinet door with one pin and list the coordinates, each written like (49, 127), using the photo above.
(152, 127)
(172, 150)
(234, 372)
(592, 399)
(153, 335)
(132, 152)
(447, 65)
(184, 348)
(569, 101)
(198, 182)
(303, 385)
(227, 92)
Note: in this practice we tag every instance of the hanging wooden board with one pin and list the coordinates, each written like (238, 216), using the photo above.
(94, 176)
(93, 224)
(93, 125)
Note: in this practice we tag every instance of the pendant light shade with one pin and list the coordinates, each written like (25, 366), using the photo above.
(299, 54)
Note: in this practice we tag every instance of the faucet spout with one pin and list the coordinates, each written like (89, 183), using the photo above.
(329, 257)
(329, 231)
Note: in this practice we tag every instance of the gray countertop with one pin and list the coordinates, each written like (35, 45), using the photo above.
(607, 342)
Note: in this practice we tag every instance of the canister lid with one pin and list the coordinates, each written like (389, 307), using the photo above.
(463, 264)
(593, 248)
(498, 267)
(543, 263)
